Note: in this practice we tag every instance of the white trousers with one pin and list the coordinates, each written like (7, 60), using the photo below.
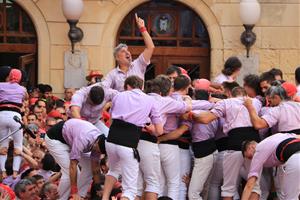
(61, 154)
(201, 171)
(216, 178)
(149, 172)
(289, 178)
(185, 170)
(7, 126)
(170, 163)
(233, 164)
(121, 160)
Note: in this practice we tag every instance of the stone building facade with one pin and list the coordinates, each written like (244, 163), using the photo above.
(277, 45)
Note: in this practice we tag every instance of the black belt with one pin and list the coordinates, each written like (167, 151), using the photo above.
(222, 144)
(55, 132)
(287, 148)
(204, 148)
(11, 109)
(183, 145)
(125, 134)
(148, 137)
(173, 142)
(295, 131)
(237, 136)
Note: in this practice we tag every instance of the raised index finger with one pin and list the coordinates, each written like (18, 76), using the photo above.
(136, 16)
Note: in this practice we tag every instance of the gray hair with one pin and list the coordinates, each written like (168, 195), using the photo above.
(118, 48)
(277, 90)
(46, 187)
(20, 186)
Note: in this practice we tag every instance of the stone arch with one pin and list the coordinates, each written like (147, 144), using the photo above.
(43, 38)
(200, 7)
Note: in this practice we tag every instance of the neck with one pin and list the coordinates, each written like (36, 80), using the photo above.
(124, 67)
(181, 92)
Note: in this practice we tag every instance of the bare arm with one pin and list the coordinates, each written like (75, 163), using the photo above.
(248, 188)
(205, 117)
(33, 163)
(174, 134)
(75, 112)
(159, 129)
(147, 39)
(257, 122)
(55, 177)
(73, 178)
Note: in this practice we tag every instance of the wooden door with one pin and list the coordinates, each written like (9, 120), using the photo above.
(28, 64)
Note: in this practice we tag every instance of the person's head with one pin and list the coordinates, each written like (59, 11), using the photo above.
(290, 89)
(182, 83)
(248, 148)
(201, 84)
(251, 85)
(201, 95)
(49, 191)
(42, 104)
(40, 181)
(25, 189)
(276, 94)
(63, 112)
(32, 118)
(4, 72)
(47, 91)
(164, 198)
(164, 83)
(277, 73)
(48, 162)
(152, 86)
(228, 87)
(232, 67)
(297, 75)
(122, 55)
(15, 76)
(96, 95)
(265, 81)
(38, 156)
(133, 82)
(173, 72)
(69, 93)
(38, 112)
(238, 92)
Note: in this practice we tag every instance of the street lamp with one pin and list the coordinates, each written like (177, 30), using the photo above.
(250, 14)
(72, 10)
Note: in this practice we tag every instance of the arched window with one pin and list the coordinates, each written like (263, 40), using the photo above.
(179, 34)
(18, 40)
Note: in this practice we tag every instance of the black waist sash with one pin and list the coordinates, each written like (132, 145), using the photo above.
(124, 133)
(296, 131)
(204, 148)
(238, 135)
(222, 144)
(148, 137)
(16, 107)
(287, 148)
(55, 132)
(183, 145)
(173, 142)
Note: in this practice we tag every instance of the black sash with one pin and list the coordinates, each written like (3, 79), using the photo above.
(148, 137)
(287, 148)
(55, 132)
(222, 144)
(124, 133)
(173, 142)
(296, 131)
(238, 135)
(204, 148)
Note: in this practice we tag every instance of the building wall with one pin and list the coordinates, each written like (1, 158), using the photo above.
(277, 45)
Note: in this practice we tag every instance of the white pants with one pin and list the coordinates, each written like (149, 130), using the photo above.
(7, 126)
(289, 178)
(121, 159)
(201, 171)
(185, 169)
(232, 165)
(102, 128)
(170, 163)
(217, 177)
(149, 167)
(61, 154)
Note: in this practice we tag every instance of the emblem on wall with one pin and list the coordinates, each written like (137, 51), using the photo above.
(163, 24)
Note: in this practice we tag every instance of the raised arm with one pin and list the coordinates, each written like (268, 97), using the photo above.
(147, 39)
(257, 122)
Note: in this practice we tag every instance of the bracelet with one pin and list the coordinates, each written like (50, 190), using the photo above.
(74, 189)
(191, 116)
(143, 29)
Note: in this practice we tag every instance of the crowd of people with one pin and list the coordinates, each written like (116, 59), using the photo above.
(166, 138)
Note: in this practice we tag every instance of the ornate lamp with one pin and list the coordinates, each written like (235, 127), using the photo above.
(250, 14)
(72, 10)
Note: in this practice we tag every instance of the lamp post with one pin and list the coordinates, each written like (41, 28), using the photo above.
(72, 10)
(250, 14)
